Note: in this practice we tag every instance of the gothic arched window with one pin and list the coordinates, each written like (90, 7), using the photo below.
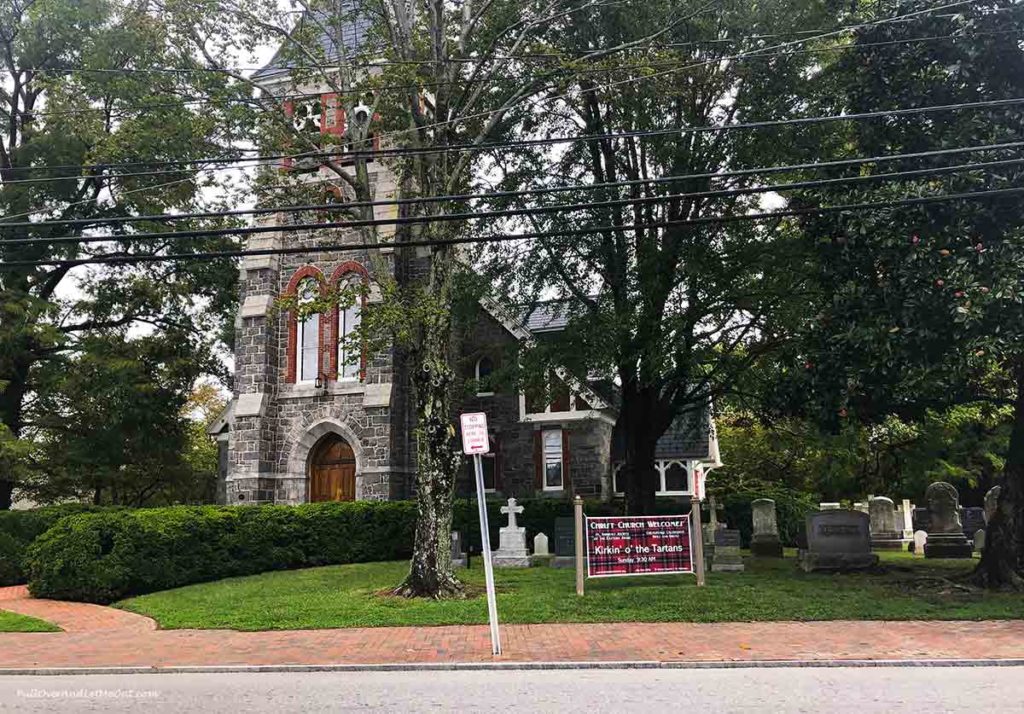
(350, 351)
(305, 342)
(308, 339)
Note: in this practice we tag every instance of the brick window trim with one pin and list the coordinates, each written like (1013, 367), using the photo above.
(291, 360)
(331, 340)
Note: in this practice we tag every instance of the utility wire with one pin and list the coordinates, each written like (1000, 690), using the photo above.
(524, 143)
(896, 175)
(716, 60)
(497, 238)
(433, 85)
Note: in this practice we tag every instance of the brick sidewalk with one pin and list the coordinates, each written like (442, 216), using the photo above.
(121, 639)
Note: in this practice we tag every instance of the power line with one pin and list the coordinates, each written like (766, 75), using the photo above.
(426, 85)
(525, 143)
(738, 56)
(709, 220)
(896, 175)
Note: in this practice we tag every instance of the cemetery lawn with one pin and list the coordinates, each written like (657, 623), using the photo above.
(13, 622)
(356, 596)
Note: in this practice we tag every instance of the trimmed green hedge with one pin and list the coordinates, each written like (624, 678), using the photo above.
(19, 528)
(116, 553)
(103, 557)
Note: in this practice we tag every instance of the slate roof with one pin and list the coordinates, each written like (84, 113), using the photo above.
(689, 437)
(353, 38)
(547, 316)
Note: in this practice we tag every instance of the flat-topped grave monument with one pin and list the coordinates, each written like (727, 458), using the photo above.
(838, 540)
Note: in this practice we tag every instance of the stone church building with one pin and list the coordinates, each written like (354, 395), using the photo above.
(314, 418)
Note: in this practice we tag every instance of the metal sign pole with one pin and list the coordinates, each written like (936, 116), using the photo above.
(697, 541)
(485, 541)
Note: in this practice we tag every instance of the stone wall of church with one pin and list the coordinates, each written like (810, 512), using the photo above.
(514, 441)
(275, 420)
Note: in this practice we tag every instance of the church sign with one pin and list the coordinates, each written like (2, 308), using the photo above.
(639, 545)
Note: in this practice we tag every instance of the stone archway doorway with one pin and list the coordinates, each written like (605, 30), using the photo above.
(332, 470)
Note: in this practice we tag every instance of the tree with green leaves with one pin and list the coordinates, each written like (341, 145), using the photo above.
(434, 78)
(920, 306)
(665, 295)
(102, 111)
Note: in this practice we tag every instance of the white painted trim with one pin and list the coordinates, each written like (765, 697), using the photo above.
(662, 465)
(559, 417)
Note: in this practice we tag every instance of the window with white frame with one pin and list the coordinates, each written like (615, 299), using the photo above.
(484, 369)
(554, 461)
(673, 479)
(308, 343)
(350, 350)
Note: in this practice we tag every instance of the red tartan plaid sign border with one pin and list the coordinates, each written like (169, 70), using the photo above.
(639, 545)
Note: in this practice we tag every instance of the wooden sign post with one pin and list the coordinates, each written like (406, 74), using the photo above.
(475, 443)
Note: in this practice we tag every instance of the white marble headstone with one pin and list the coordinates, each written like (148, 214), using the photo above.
(540, 545)
(920, 538)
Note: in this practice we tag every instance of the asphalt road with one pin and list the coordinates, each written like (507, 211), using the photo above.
(867, 690)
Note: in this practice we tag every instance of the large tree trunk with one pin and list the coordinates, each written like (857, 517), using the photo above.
(1001, 563)
(641, 433)
(11, 405)
(438, 459)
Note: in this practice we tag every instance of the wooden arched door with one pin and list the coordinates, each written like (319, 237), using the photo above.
(332, 470)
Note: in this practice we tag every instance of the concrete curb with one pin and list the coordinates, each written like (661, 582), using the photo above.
(512, 666)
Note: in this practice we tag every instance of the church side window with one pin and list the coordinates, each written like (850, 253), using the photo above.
(554, 464)
(308, 342)
(350, 350)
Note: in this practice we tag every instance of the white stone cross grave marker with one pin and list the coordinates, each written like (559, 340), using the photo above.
(512, 509)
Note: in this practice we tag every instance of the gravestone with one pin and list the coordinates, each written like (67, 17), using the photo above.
(709, 529)
(946, 537)
(920, 519)
(992, 502)
(765, 541)
(861, 506)
(973, 518)
(565, 543)
(541, 553)
(512, 552)
(920, 540)
(884, 535)
(727, 551)
(979, 540)
(459, 557)
(907, 519)
(831, 506)
(838, 540)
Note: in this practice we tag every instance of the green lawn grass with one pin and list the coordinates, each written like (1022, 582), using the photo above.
(350, 596)
(13, 622)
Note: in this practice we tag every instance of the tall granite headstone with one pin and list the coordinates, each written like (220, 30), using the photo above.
(459, 557)
(992, 502)
(973, 518)
(765, 543)
(727, 551)
(838, 540)
(884, 535)
(946, 537)
(565, 542)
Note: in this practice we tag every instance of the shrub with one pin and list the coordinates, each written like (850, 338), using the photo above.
(791, 507)
(19, 528)
(102, 557)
